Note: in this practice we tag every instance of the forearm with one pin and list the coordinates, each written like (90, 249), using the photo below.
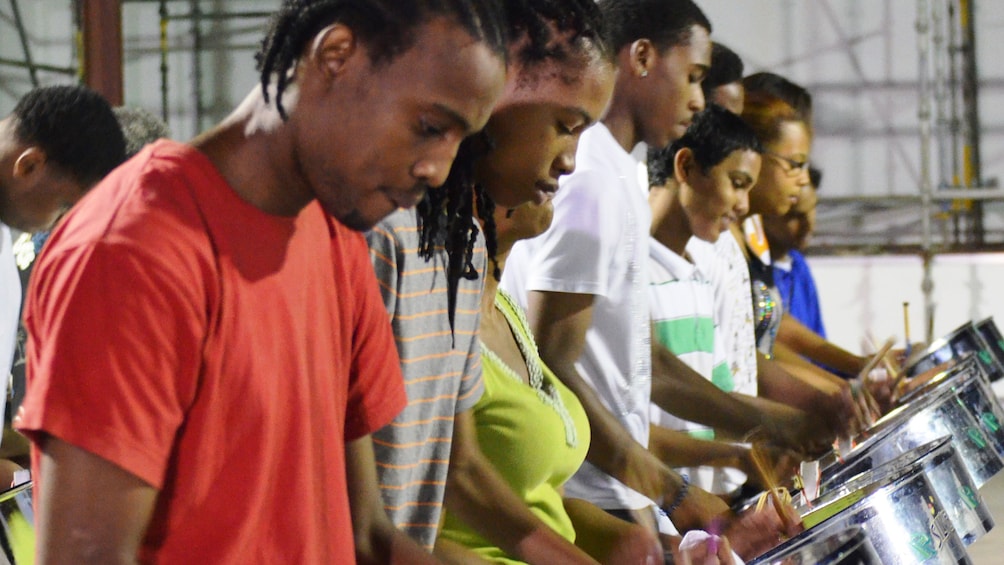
(811, 345)
(681, 391)
(798, 366)
(377, 541)
(679, 449)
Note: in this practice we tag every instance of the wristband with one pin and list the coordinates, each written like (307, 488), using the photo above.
(681, 494)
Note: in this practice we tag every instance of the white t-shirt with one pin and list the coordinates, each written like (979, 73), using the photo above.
(682, 301)
(598, 244)
(725, 266)
(10, 311)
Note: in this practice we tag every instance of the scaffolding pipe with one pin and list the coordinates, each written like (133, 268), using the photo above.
(37, 66)
(970, 97)
(164, 101)
(924, 44)
(23, 36)
(196, 12)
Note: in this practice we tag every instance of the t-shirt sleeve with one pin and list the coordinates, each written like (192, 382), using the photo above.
(376, 385)
(574, 254)
(114, 349)
(384, 254)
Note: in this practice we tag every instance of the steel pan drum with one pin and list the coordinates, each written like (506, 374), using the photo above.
(972, 386)
(964, 339)
(17, 519)
(929, 417)
(959, 495)
(992, 337)
(849, 547)
(900, 513)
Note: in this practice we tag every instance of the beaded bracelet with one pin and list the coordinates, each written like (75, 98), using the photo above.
(681, 494)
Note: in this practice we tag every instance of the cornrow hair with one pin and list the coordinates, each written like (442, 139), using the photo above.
(541, 22)
(387, 28)
(558, 30)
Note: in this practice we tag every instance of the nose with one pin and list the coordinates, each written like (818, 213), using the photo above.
(697, 101)
(742, 207)
(433, 168)
(564, 164)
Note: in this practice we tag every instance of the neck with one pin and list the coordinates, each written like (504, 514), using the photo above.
(672, 227)
(621, 122)
(252, 151)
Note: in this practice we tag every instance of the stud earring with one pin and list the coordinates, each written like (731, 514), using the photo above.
(644, 73)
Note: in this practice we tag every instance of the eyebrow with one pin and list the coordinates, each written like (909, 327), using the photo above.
(748, 177)
(455, 117)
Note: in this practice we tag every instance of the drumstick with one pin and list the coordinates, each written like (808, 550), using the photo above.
(877, 358)
(906, 327)
(763, 468)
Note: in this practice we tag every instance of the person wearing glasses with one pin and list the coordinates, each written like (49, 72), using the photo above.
(781, 113)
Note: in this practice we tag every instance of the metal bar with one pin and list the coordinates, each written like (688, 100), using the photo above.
(924, 41)
(937, 196)
(196, 11)
(102, 24)
(164, 102)
(23, 36)
(223, 16)
(972, 160)
(38, 66)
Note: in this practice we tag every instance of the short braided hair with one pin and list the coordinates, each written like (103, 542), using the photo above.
(387, 27)
(75, 127)
(554, 30)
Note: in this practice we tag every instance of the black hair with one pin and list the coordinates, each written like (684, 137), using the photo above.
(76, 129)
(776, 86)
(726, 68)
(554, 30)
(666, 23)
(139, 127)
(387, 27)
(815, 177)
(713, 135)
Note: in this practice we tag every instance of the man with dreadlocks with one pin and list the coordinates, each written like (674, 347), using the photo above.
(431, 261)
(208, 350)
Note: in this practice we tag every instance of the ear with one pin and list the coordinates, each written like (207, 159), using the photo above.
(331, 48)
(683, 165)
(30, 162)
(643, 55)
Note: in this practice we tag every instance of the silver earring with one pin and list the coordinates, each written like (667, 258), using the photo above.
(644, 73)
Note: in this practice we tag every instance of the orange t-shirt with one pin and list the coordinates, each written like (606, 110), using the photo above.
(220, 354)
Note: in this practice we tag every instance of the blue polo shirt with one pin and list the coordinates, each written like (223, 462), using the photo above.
(798, 291)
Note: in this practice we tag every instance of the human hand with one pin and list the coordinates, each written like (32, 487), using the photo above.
(781, 463)
(711, 550)
(755, 531)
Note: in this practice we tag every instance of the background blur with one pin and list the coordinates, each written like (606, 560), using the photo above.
(871, 66)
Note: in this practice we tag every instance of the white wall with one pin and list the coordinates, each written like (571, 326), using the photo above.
(863, 296)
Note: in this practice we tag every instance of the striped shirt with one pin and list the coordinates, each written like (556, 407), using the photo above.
(442, 371)
(682, 303)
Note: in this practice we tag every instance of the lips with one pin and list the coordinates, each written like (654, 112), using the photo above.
(547, 189)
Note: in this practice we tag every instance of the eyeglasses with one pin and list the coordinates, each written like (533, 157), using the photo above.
(795, 168)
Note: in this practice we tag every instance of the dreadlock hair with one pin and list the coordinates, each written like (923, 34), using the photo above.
(553, 31)
(387, 27)
(714, 135)
(76, 129)
(666, 23)
(726, 68)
